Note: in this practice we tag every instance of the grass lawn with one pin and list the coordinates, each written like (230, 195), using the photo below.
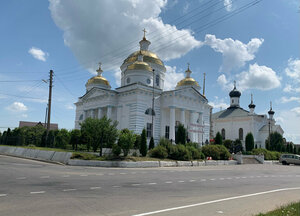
(41, 148)
(292, 209)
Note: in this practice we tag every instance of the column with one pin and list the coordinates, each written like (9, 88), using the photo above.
(108, 114)
(99, 113)
(172, 124)
(182, 117)
(192, 134)
(119, 117)
(92, 113)
(84, 114)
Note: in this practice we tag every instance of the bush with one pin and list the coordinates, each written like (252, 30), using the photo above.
(159, 152)
(269, 155)
(116, 150)
(196, 153)
(180, 152)
(228, 144)
(217, 152)
(151, 143)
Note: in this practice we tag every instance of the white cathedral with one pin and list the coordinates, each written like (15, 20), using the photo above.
(235, 122)
(141, 103)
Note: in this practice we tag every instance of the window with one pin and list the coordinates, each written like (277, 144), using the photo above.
(128, 80)
(167, 133)
(81, 117)
(223, 133)
(149, 130)
(148, 81)
(150, 111)
(232, 101)
(157, 80)
(241, 134)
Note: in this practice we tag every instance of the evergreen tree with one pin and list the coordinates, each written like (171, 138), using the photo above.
(180, 137)
(151, 143)
(218, 139)
(75, 138)
(143, 147)
(249, 142)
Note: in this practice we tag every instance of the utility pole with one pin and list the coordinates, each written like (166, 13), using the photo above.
(46, 115)
(204, 84)
(153, 113)
(49, 104)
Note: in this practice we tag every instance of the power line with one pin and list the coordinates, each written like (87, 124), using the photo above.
(19, 81)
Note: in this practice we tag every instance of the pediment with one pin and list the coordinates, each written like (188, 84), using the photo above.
(97, 92)
(190, 93)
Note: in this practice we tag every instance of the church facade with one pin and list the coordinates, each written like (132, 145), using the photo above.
(140, 101)
(235, 122)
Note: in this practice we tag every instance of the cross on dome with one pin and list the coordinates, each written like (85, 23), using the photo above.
(188, 71)
(99, 70)
(234, 83)
(144, 34)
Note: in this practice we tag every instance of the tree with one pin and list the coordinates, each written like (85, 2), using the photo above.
(100, 132)
(249, 140)
(126, 140)
(218, 139)
(180, 137)
(143, 147)
(137, 142)
(62, 139)
(227, 143)
(151, 143)
(75, 138)
(276, 141)
(237, 146)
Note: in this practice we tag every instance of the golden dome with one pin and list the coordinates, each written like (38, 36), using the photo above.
(98, 80)
(147, 57)
(187, 82)
(139, 65)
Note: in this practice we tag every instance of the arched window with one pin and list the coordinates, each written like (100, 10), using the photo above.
(157, 80)
(150, 111)
(81, 117)
(241, 134)
(223, 133)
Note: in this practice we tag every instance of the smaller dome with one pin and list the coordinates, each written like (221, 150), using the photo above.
(251, 106)
(139, 65)
(235, 92)
(187, 82)
(98, 80)
(271, 112)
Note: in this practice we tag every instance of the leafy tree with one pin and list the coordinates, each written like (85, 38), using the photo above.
(249, 140)
(75, 136)
(116, 150)
(126, 140)
(180, 137)
(33, 135)
(227, 143)
(151, 143)
(218, 139)
(62, 138)
(276, 142)
(100, 132)
(143, 147)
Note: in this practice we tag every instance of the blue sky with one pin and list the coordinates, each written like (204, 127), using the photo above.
(257, 47)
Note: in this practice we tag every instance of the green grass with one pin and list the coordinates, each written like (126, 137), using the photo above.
(41, 148)
(292, 209)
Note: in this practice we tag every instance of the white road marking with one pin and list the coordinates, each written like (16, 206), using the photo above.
(116, 186)
(65, 176)
(66, 190)
(216, 201)
(45, 177)
(21, 178)
(212, 179)
(237, 177)
(221, 178)
(257, 176)
(3, 195)
(152, 183)
(83, 175)
(94, 188)
(37, 192)
(135, 184)
(168, 182)
(192, 180)
(228, 178)
(220, 212)
(244, 177)
(123, 173)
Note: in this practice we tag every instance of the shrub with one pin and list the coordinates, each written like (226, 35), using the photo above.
(269, 155)
(143, 147)
(217, 152)
(158, 152)
(228, 144)
(192, 144)
(180, 137)
(151, 143)
(249, 140)
(196, 153)
(180, 152)
(116, 150)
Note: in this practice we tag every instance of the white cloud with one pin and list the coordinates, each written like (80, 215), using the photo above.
(224, 83)
(186, 7)
(289, 120)
(108, 31)
(218, 104)
(17, 107)
(69, 107)
(258, 77)
(172, 78)
(235, 53)
(290, 99)
(24, 115)
(38, 53)
(293, 69)
(228, 5)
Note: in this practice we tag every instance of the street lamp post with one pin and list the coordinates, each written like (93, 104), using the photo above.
(153, 113)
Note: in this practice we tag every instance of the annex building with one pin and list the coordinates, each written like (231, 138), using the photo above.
(140, 102)
(235, 122)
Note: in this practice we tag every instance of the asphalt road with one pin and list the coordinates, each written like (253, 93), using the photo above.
(42, 189)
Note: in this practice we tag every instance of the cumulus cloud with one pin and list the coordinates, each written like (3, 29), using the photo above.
(235, 53)
(172, 77)
(289, 120)
(258, 77)
(293, 69)
(290, 99)
(108, 31)
(69, 107)
(218, 103)
(17, 107)
(224, 83)
(296, 110)
(228, 5)
(38, 53)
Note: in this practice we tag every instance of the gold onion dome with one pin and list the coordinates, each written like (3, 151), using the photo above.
(187, 81)
(139, 65)
(98, 79)
(148, 56)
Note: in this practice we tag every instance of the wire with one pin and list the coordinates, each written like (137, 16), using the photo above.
(19, 81)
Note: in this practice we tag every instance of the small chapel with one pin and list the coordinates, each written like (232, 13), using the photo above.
(140, 102)
(235, 122)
